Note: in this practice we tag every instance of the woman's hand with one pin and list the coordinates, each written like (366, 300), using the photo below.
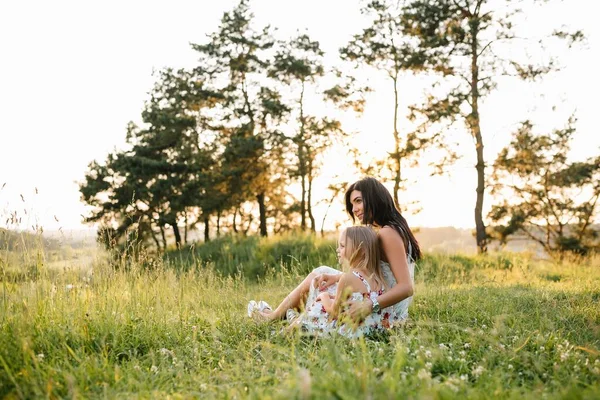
(359, 310)
(323, 281)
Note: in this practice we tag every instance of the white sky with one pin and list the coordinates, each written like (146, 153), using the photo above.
(73, 73)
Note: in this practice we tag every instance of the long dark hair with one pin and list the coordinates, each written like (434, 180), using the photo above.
(379, 208)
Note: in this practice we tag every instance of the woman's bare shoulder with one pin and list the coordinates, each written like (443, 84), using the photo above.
(388, 232)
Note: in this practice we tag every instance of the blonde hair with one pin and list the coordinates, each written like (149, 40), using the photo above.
(362, 248)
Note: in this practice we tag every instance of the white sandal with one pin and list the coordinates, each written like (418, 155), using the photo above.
(253, 307)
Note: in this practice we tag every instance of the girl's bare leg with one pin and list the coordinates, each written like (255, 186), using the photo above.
(292, 300)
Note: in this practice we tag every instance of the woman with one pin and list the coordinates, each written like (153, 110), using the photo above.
(371, 203)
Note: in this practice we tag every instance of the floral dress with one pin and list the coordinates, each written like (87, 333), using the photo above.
(315, 320)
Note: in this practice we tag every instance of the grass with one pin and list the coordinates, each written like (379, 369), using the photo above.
(501, 325)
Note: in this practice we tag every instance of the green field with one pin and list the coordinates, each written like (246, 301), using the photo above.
(497, 326)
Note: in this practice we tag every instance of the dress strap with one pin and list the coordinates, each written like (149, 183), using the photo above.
(359, 276)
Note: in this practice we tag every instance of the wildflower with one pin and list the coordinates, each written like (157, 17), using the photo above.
(510, 366)
(69, 286)
(428, 365)
(423, 374)
(203, 386)
(136, 367)
(450, 358)
(428, 354)
(502, 346)
(443, 346)
(40, 357)
(464, 378)
(542, 348)
(478, 371)
(462, 353)
(154, 369)
(467, 345)
(483, 326)
(564, 356)
(166, 352)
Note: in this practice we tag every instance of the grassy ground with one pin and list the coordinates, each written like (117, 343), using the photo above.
(497, 326)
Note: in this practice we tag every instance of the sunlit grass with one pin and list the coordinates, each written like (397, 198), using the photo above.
(486, 326)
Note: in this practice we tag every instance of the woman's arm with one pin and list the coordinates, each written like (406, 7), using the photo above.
(392, 246)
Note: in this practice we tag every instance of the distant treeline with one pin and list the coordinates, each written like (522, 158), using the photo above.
(222, 143)
(24, 241)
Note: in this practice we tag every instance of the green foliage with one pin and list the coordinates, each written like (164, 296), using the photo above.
(253, 258)
(543, 196)
(463, 41)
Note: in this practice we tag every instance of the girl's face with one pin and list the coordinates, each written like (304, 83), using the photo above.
(341, 249)
(357, 205)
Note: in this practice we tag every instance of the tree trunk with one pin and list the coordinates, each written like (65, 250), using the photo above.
(234, 226)
(164, 237)
(262, 211)
(206, 229)
(155, 238)
(302, 162)
(177, 235)
(185, 229)
(475, 127)
(310, 214)
(397, 173)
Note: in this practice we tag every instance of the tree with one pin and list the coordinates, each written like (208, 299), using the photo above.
(464, 40)
(384, 47)
(162, 174)
(545, 197)
(236, 57)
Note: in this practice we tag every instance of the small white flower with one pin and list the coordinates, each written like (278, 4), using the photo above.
(450, 358)
(423, 374)
(40, 357)
(136, 367)
(69, 286)
(443, 346)
(464, 378)
(542, 348)
(564, 356)
(467, 345)
(203, 386)
(478, 371)
(428, 354)
(154, 369)
(502, 346)
(510, 366)
(428, 365)
(483, 326)
(462, 353)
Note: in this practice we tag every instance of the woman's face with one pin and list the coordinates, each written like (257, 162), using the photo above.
(357, 205)
(341, 249)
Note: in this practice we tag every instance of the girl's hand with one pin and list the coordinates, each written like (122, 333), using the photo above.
(359, 310)
(325, 296)
(323, 281)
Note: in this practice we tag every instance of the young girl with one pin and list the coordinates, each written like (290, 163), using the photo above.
(371, 203)
(358, 253)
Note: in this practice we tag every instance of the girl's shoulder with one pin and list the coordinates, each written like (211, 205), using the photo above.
(352, 281)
